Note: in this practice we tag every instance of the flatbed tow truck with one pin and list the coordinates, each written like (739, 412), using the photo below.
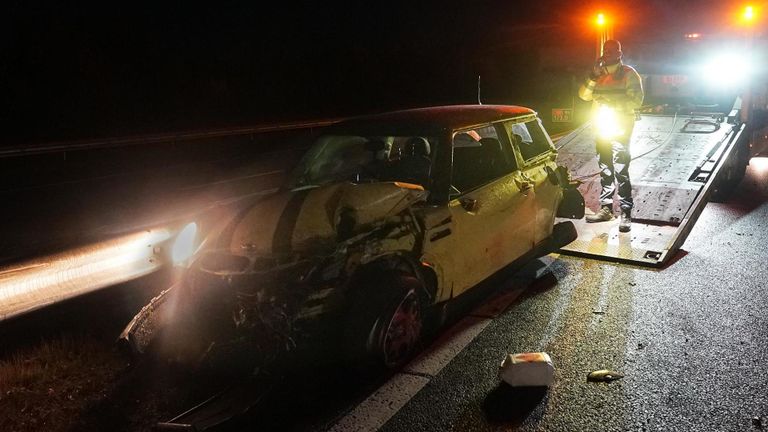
(707, 97)
(679, 162)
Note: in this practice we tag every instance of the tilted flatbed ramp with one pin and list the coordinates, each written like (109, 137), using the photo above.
(675, 162)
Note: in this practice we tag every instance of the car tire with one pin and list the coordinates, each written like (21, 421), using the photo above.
(385, 323)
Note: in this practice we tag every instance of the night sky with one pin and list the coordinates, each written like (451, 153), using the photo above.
(97, 71)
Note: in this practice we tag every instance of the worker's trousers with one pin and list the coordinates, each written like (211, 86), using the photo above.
(613, 158)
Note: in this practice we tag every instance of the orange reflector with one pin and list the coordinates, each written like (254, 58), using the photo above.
(413, 186)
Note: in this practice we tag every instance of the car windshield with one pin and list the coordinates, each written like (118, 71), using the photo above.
(355, 158)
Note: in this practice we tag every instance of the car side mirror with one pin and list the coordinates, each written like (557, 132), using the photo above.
(469, 204)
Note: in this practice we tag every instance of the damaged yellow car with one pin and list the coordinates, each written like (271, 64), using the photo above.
(384, 220)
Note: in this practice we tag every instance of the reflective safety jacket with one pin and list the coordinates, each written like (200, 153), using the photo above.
(621, 89)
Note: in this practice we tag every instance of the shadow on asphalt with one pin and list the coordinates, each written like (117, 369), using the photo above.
(681, 253)
(512, 405)
(539, 286)
(533, 278)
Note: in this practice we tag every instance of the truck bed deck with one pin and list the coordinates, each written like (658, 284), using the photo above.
(675, 160)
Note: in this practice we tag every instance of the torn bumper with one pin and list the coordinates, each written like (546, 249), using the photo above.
(138, 334)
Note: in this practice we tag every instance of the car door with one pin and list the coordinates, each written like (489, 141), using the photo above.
(535, 153)
(486, 223)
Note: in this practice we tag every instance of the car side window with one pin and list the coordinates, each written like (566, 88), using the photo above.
(478, 158)
(529, 138)
(409, 160)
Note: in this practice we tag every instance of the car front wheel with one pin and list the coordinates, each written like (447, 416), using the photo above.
(386, 321)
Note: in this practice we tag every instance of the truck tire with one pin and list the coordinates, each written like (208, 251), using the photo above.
(385, 322)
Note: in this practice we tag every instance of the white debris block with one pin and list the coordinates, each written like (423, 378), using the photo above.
(531, 369)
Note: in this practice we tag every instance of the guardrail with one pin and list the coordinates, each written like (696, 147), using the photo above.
(65, 146)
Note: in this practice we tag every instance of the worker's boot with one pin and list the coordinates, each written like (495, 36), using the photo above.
(604, 215)
(625, 223)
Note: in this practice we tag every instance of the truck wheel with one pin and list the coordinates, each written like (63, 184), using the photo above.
(385, 323)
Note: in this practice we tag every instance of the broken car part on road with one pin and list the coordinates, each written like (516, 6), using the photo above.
(603, 375)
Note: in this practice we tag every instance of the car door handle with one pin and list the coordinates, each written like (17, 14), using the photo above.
(468, 204)
(524, 182)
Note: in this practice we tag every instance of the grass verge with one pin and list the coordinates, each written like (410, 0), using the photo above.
(47, 386)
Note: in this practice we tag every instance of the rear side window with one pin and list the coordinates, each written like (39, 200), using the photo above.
(529, 138)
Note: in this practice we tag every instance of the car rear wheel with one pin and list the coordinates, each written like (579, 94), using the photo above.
(385, 324)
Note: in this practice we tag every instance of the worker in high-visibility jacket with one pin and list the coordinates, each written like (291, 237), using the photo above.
(617, 91)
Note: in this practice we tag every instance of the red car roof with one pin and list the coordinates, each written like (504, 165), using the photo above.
(443, 117)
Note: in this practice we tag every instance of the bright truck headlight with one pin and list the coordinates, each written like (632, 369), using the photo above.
(607, 123)
(726, 71)
(185, 244)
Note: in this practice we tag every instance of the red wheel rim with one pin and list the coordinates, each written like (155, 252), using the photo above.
(403, 331)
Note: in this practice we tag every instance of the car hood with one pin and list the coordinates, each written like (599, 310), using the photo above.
(315, 219)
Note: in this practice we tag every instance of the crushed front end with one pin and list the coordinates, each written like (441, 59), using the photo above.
(228, 308)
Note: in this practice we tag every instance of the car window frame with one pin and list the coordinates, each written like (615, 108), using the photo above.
(510, 159)
(523, 163)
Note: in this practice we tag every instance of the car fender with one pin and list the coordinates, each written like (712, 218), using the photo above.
(403, 261)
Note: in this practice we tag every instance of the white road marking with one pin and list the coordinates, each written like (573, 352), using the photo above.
(385, 402)
(381, 405)
(440, 353)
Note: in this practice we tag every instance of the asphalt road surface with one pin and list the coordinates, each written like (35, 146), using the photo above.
(691, 341)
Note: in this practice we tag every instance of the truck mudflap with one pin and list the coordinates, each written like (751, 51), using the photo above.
(675, 163)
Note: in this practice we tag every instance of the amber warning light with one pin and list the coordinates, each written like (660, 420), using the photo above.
(600, 20)
(749, 13)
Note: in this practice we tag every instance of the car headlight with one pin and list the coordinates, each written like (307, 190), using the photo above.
(607, 123)
(185, 244)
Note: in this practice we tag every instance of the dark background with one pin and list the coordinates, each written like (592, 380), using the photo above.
(115, 69)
